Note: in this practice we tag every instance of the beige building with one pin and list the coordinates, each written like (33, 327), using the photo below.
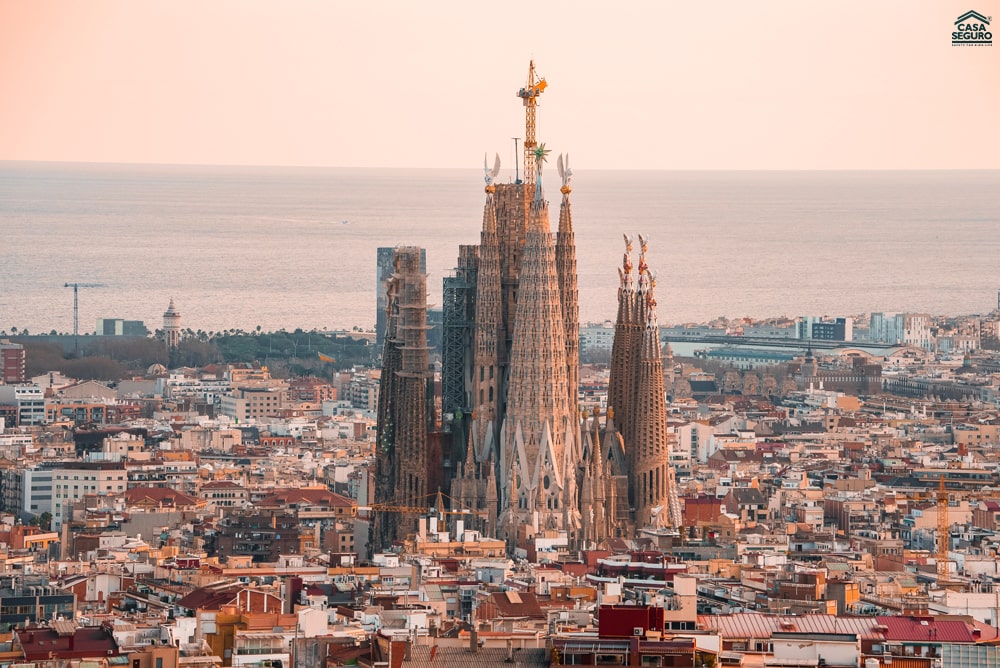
(72, 480)
(254, 402)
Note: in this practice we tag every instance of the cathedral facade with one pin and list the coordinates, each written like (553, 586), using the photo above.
(523, 458)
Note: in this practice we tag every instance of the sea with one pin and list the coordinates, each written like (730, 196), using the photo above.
(288, 248)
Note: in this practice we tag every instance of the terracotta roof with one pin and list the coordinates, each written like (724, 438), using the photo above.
(517, 604)
(926, 629)
(210, 598)
(160, 496)
(222, 484)
(748, 496)
(319, 497)
(40, 643)
(757, 625)
(461, 657)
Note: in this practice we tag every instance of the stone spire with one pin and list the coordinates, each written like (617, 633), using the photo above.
(568, 291)
(628, 326)
(540, 430)
(488, 347)
(594, 492)
(651, 448)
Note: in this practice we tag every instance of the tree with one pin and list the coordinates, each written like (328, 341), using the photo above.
(45, 521)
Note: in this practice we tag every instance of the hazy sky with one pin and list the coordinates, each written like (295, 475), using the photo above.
(673, 85)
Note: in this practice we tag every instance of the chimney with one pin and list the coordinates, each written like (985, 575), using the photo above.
(473, 639)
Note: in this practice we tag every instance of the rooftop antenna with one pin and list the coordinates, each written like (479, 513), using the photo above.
(517, 179)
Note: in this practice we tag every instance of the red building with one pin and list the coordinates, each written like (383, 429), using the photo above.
(61, 640)
(11, 363)
(630, 636)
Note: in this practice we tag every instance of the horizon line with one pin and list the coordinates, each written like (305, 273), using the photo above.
(5, 161)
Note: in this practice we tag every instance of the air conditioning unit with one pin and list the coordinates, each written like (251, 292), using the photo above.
(637, 630)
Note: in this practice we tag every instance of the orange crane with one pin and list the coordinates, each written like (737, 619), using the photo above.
(420, 510)
(529, 95)
(423, 510)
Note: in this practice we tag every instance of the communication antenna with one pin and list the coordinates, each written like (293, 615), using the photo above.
(517, 179)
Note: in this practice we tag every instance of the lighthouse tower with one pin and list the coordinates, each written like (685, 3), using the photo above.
(172, 326)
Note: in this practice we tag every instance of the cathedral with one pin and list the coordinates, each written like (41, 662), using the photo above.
(532, 461)
(521, 457)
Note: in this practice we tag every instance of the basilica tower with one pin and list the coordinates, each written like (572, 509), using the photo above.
(540, 454)
(636, 385)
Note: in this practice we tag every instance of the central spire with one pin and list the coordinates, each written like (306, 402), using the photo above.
(539, 434)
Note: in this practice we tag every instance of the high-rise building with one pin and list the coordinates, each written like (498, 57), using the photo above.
(12, 363)
(120, 327)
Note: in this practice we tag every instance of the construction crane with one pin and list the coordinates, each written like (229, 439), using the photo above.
(76, 301)
(423, 510)
(529, 95)
(420, 510)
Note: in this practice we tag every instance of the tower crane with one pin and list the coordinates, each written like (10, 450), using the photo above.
(529, 95)
(437, 509)
(76, 301)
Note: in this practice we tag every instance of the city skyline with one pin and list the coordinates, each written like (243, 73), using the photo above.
(776, 85)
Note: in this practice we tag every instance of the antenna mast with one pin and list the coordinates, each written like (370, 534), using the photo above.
(529, 95)
(517, 179)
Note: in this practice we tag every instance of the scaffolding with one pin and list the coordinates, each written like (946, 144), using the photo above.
(459, 313)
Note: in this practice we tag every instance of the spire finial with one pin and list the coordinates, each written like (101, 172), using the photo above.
(490, 174)
(565, 173)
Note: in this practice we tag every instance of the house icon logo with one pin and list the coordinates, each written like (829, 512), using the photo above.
(972, 29)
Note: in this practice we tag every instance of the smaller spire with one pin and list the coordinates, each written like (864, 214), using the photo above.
(625, 271)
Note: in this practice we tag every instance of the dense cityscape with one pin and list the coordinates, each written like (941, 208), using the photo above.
(493, 482)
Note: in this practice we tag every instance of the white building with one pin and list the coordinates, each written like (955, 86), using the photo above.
(913, 329)
(72, 480)
(30, 402)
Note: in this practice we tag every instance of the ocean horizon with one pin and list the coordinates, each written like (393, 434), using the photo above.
(294, 247)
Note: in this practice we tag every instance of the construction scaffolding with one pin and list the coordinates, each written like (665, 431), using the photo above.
(459, 314)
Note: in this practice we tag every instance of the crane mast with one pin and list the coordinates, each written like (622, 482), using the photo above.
(529, 96)
(76, 306)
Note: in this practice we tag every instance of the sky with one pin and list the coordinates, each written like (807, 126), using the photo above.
(769, 84)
